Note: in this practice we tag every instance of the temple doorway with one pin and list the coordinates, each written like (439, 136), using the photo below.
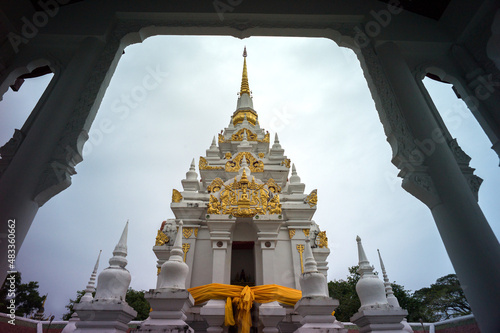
(243, 263)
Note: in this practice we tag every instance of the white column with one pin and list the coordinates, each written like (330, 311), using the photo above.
(24, 178)
(221, 228)
(471, 245)
(268, 226)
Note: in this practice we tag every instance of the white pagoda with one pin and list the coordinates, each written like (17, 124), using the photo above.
(245, 222)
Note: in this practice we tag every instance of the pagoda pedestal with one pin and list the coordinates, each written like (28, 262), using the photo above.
(383, 320)
(103, 317)
(271, 314)
(213, 312)
(317, 315)
(169, 308)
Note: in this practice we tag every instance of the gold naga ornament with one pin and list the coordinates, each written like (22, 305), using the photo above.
(176, 196)
(244, 198)
(203, 165)
(253, 164)
(321, 239)
(312, 198)
(161, 238)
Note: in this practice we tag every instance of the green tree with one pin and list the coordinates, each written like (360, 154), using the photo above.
(443, 299)
(345, 292)
(133, 297)
(136, 300)
(71, 304)
(27, 297)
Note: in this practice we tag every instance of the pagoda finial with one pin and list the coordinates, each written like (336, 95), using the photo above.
(245, 88)
(389, 293)
(91, 285)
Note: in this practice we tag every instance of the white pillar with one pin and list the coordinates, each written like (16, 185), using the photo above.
(221, 228)
(23, 185)
(268, 226)
(414, 136)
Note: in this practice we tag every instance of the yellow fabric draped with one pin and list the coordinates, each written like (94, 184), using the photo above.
(243, 298)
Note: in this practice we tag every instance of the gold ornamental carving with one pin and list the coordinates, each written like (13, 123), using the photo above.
(261, 155)
(185, 249)
(312, 198)
(253, 164)
(158, 270)
(203, 165)
(195, 232)
(300, 249)
(273, 186)
(286, 162)
(291, 233)
(161, 238)
(228, 155)
(322, 240)
(244, 198)
(215, 185)
(222, 138)
(187, 232)
(240, 115)
(214, 206)
(306, 232)
(238, 136)
(176, 196)
(266, 138)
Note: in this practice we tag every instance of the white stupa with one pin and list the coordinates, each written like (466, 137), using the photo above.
(375, 313)
(108, 312)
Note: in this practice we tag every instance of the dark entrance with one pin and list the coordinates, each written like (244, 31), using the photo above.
(243, 264)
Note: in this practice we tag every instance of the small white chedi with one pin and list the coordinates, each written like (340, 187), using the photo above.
(375, 313)
(108, 312)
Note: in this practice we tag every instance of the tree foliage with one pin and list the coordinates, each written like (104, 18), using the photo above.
(136, 300)
(345, 292)
(133, 297)
(442, 300)
(27, 297)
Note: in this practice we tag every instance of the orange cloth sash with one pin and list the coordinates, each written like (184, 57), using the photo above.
(243, 298)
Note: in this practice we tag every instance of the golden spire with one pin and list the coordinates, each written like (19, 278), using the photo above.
(244, 79)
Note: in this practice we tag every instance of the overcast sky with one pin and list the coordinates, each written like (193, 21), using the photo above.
(309, 91)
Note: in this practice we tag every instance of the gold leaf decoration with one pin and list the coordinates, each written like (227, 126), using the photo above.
(273, 186)
(291, 233)
(228, 156)
(306, 232)
(244, 198)
(238, 136)
(187, 232)
(261, 155)
(266, 138)
(300, 249)
(312, 198)
(286, 162)
(185, 249)
(321, 239)
(215, 185)
(214, 205)
(239, 116)
(203, 165)
(253, 164)
(176, 196)
(222, 138)
(161, 238)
